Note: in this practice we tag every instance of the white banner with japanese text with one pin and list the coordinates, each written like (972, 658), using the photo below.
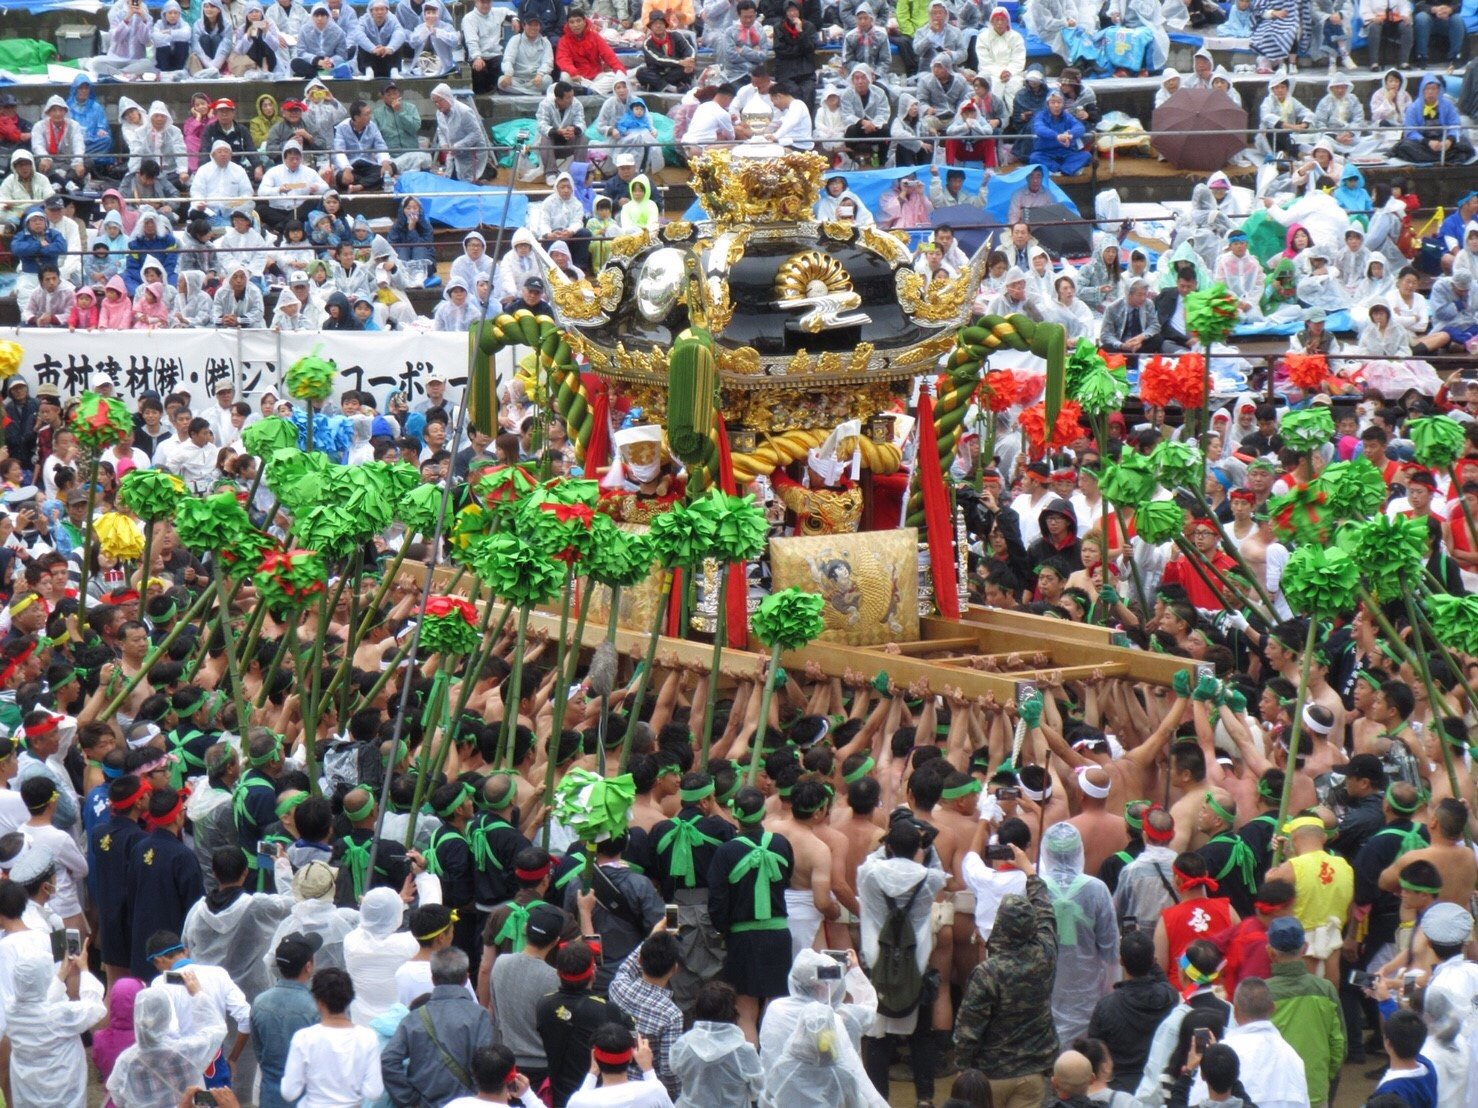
(197, 361)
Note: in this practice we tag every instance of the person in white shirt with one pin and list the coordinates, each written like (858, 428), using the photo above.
(194, 459)
(498, 1081)
(607, 1085)
(711, 121)
(1028, 504)
(219, 416)
(48, 1066)
(991, 882)
(39, 794)
(286, 185)
(12, 808)
(431, 924)
(333, 1064)
(1272, 1071)
(168, 954)
(792, 123)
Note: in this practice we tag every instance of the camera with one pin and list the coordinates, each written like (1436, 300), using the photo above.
(74, 942)
(203, 1096)
(837, 956)
(1202, 1035)
(829, 973)
(1008, 792)
(998, 852)
(174, 978)
(671, 912)
(1362, 980)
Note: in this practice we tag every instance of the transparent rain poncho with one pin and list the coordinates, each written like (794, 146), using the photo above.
(1087, 932)
(48, 1066)
(817, 1067)
(717, 1067)
(373, 951)
(162, 1063)
(806, 987)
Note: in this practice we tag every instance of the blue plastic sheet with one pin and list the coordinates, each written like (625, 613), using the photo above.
(460, 204)
(1336, 321)
(870, 184)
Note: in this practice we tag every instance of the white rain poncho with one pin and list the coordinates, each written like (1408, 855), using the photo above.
(1087, 932)
(313, 915)
(373, 951)
(878, 878)
(717, 1067)
(817, 1068)
(807, 988)
(234, 935)
(48, 1066)
(161, 1055)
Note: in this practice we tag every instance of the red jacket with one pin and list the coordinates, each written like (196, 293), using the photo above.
(587, 56)
(1183, 573)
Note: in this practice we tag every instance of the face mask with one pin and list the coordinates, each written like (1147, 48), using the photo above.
(644, 474)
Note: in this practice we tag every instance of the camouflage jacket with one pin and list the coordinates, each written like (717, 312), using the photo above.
(1004, 1027)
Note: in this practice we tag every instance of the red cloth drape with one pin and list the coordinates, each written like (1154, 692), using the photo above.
(598, 446)
(938, 523)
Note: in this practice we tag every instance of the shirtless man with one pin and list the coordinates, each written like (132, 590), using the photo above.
(650, 807)
(1103, 832)
(843, 880)
(862, 827)
(1452, 857)
(133, 648)
(1130, 773)
(1247, 534)
(1237, 780)
(1321, 692)
(1041, 787)
(809, 898)
(958, 812)
(1364, 730)
(1188, 779)
(1284, 649)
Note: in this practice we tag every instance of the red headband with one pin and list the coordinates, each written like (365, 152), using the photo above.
(1207, 523)
(1244, 494)
(1268, 909)
(15, 663)
(533, 874)
(138, 794)
(45, 727)
(1064, 475)
(576, 978)
(122, 596)
(608, 1058)
(1185, 883)
(1153, 836)
(156, 822)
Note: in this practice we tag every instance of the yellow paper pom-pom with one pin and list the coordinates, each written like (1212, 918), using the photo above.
(119, 537)
(10, 359)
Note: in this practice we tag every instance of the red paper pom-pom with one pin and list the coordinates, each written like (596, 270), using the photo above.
(1006, 388)
(1157, 381)
(1033, 421)
(1307, 371)
(1174, 381)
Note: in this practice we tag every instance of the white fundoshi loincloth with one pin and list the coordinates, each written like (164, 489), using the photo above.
(803, 918)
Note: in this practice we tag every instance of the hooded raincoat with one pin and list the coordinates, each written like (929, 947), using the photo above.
(48, 1066)
(162, 1063)
(1087, 932)
(373, 951)
(717, 1066)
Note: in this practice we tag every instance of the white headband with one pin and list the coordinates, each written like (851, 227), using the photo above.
(1314, 725)
(1038, 797)
(1098, 792)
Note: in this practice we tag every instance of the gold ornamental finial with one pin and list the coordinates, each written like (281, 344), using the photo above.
(739, 189)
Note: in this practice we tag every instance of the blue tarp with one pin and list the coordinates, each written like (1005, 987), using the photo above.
(1338, 321)
(459, 204)
(870, 184)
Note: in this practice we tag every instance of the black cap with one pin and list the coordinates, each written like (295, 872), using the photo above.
(1367, 767)
(534, 284)
(387, 86)
(55, 203)
(545, 924)
(295, 951)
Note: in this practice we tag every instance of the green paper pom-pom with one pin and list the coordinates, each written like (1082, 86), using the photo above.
(246, 553)
(1353, 490)
(680, 538)
(289, 579)
(1438, 440)
(558, 527)
(420, 508)
(1454, 620)
(1302, 514)
(1320, 583)
(1102, 390)
(789, 619)
(1081, 363)
(617, 558)
(515, 569)
(298, 479)
(1307, 430)
(268, 435)
(1178, 464)
(740, 529)
(151, 494)
(1129, 482)
(450, 626)
(1388, 551)
(1159, 521)
(596, 808)
(571, 490)
(311, 378)
(211, 523)
(1211, 314)
(100, 422)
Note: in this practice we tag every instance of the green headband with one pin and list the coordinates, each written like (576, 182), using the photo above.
(754, 817)
(1412, 886)
(1221, 813)
(860, 772)
(784, 792)
(961, 790)
(503, 801)
(167, 615)
(732, 791)
(452, 805)
(1405, 810)
(692, 796)
(354, 815)
(669, 767)
(1135, 822)
(193, 708)
(260, 760)
(64, 681)
(288, 803)
(1265, 790)
(1369, 678)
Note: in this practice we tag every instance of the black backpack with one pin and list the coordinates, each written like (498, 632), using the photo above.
(896, 974)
